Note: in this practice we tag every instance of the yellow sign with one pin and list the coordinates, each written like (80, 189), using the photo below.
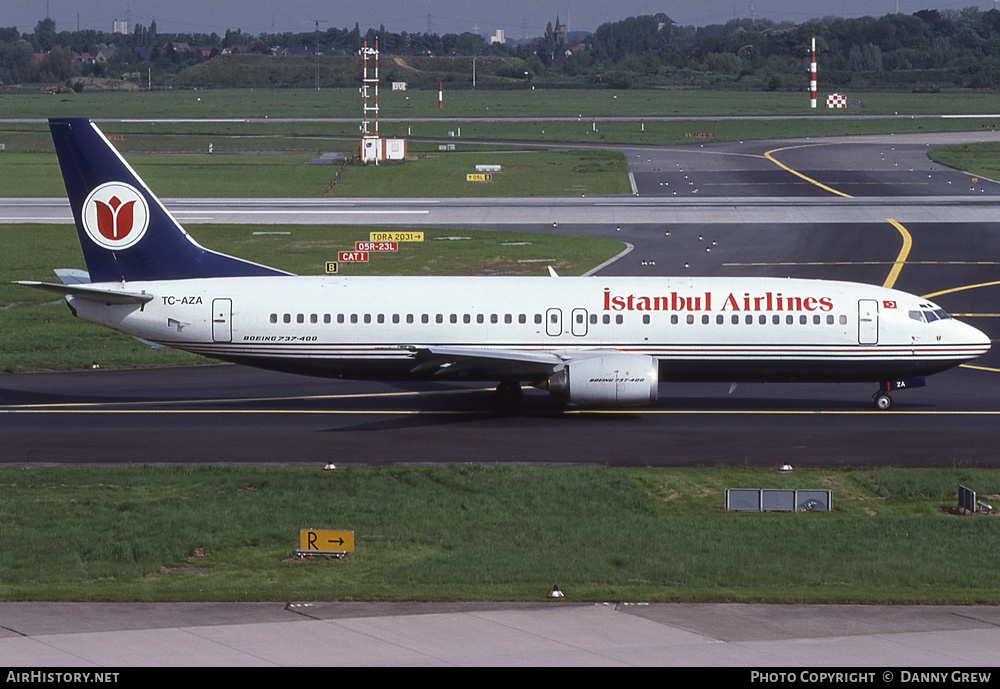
(396, 236)
(478, 178)
(331, 267)
(322, 541)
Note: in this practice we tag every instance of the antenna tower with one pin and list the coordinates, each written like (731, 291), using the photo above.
(369, 95)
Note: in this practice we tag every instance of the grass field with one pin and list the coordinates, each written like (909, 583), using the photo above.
(29, 318)
(492, 533)
(467, 103)
(979, 159)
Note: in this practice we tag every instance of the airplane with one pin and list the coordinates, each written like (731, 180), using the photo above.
(591, 341)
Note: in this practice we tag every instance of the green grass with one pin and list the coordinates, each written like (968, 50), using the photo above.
(492, 533)
(484, 102)
(526, 173)
(38, 333)
(979, 159)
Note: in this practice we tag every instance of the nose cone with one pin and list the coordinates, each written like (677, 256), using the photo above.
(977, 339)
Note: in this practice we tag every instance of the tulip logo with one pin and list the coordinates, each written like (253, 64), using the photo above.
(115, 216)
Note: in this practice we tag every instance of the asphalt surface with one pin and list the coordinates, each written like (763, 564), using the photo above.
(764, 220)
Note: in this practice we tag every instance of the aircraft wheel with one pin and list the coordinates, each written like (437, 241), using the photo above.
(507, 398)
(883, 401)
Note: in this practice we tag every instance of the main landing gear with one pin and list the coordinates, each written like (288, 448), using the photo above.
(507, 398)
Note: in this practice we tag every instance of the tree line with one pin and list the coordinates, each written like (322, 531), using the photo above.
(949, 48)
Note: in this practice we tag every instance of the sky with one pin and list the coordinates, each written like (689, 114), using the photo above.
(518, 18)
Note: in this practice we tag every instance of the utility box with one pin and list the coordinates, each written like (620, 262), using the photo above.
(395, 149)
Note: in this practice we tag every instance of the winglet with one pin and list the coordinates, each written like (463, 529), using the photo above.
(552, 272)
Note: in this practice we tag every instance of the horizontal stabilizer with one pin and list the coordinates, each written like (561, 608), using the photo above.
(99, 294)
(72, 276)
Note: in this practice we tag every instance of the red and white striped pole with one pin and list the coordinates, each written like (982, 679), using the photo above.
(440, 95)
(812, 76)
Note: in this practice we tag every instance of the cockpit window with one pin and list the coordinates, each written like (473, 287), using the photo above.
(929, 315)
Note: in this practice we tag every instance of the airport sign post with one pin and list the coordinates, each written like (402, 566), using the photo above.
(324, 542)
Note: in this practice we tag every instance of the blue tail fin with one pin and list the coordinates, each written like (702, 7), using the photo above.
(125, 231)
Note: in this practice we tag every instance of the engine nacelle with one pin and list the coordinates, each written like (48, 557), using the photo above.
(615, 380)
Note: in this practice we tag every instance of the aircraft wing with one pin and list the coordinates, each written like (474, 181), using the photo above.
(482, 362)
(86, 291)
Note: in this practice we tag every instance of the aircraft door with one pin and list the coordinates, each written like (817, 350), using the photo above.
(867, 321)
(222, 320)
(553, 322)
(579, 325)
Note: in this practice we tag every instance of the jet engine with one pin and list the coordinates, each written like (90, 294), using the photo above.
(611, 380)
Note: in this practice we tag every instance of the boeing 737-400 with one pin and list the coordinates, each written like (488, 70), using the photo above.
(595, 341)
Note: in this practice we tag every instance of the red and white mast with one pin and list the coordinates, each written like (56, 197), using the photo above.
(812, 76)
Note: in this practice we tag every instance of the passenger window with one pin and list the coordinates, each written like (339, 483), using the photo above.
(776, 319)
(300, 318)
(736, 319)
(466, 318)
(326, 318)
(496, 319)
(704, 319)
(829, 320)
(645, 319)
(368, 318)
(313, 318)
(843, 319)
(690, 319)
(439, 318)
(789, 320)
(720, 319)
(274, 318)
(340, 318)
(816, 319)
(522, 319)
(425, 318)
(749, 319)
(480, 318)
(607, 319)
(287, 318)
(453, 318)
(673, 319)
(395, 318)
(354, 318)
(803, 319)
(619, 319)
(409, 318)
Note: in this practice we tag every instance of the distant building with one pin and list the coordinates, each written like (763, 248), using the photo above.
(559, 32)
(498, 37)
(663, 21)
(121, 27)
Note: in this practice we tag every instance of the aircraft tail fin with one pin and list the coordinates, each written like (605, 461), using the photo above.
(125, 232)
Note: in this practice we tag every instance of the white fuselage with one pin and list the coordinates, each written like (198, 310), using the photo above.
(729, 329)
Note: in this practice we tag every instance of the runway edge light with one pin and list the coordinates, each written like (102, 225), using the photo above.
(786, 467)
(556, 593)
